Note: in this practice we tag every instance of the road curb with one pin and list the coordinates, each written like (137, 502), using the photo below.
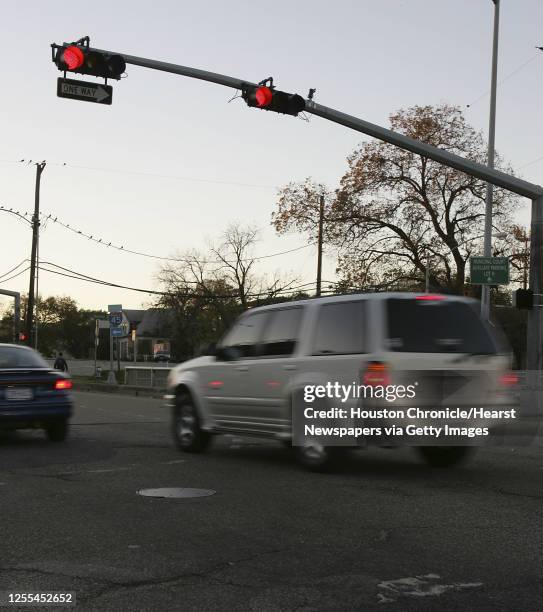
(156, 393)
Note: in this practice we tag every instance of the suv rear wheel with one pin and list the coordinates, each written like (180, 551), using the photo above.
(445, 456)
(318, 458)
(187, 433)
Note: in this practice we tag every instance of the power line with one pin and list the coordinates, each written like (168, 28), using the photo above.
(515, 71)
(5, 280)
(148, 174)
(82, 277)
(13, 269)
(107, 244)
(532, 162)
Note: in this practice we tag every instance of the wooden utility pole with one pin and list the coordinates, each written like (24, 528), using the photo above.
(29, 323)
(319, 246)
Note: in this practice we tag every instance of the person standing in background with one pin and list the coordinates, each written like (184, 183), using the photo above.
(61, 363)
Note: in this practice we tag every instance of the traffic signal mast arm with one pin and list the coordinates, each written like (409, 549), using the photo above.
(480, 171)
(490, 175)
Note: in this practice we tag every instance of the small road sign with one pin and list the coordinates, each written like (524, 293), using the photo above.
(84, 90)
(489, 270)
(117, 332)
(115, 319)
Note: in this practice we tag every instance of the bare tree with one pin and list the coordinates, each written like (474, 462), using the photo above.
(205, 292)
(235, 253)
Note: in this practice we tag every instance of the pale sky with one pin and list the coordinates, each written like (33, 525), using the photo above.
(221, 162)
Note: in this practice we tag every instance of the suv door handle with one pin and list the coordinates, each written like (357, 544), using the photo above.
(289, 367)
(242, 368)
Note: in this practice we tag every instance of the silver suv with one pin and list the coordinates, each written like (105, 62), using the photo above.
(252, 381)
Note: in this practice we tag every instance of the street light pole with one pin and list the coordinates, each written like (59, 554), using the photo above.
(319, 246)
(485, 295)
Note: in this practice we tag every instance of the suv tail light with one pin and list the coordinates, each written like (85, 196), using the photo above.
(509, 379)
(376, 375)
(63, 384)
(429, 297)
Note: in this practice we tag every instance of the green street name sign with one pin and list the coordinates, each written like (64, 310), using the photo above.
(489, 270)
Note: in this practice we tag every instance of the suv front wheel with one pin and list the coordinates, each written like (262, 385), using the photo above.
(187, 433)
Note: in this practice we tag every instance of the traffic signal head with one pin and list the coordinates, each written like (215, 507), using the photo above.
(268, 98)
(523, 298)
(23, 336)
(79, 59)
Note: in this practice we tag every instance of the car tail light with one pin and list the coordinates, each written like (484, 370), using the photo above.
(62, 384)
(376, 374)
(509, 379)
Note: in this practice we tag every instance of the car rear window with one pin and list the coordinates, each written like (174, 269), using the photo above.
(14, 357)
(436, 326)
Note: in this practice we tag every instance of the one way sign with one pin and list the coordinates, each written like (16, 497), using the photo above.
(83, 90)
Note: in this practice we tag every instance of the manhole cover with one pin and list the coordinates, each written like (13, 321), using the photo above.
(176, 492)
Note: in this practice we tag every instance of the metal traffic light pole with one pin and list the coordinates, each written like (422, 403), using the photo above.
(480, 171)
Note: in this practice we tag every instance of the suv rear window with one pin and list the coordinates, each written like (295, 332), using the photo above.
(436, 326)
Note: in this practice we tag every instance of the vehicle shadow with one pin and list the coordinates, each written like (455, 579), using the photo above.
(402, 466)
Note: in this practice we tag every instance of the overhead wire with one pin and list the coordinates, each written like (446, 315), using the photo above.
(107, 244)
(83, 277)
(154, 175)
(5, 280)
(46, 217)
(515, 71)
(13, 269)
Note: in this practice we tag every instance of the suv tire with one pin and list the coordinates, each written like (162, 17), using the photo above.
(188, 435)
(317, 458)
(445, 456)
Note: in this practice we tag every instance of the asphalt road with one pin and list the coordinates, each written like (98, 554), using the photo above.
(384, 533)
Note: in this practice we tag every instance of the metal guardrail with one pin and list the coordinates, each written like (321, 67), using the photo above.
(147, 376)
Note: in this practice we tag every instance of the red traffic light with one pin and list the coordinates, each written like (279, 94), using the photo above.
(73, 57)
(271, 99)
(81, 59)
(23, 337)
(263, 96)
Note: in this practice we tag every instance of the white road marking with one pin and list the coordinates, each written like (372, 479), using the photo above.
(120, 469)
(418, 586)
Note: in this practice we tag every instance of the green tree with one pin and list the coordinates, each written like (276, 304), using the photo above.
(62, 326)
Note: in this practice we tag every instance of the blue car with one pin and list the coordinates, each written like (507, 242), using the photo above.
(32, 394)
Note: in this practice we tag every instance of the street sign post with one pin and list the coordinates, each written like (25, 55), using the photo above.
(115, 320)
(489, 270)
(84, 90)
